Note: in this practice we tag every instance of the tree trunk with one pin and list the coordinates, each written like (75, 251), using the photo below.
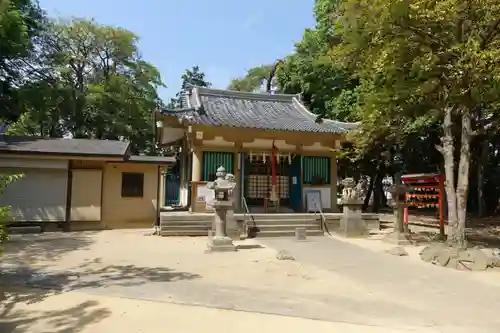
(460, 238)
(369, 192)
(376, 193)
(447, 149)
(483, 160)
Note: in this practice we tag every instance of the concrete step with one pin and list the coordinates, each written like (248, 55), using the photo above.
(288, 227)
(266, 234)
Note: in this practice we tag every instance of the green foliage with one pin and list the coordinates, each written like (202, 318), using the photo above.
(253, 80)
(90, 82)
(321, 83)
(20, 23)
(5, 180)
(416, 58)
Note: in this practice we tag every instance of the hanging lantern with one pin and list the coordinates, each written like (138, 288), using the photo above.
(289, 158)
(264, 156)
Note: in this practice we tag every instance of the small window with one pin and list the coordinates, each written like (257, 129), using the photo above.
(132, 185)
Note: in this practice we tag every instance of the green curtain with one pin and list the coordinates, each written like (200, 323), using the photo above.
(316, 168)
(213, 160)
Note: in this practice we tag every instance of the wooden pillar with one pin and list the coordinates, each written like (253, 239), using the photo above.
(333, 184)
(163, 176)
(196, 165)
(237, 175)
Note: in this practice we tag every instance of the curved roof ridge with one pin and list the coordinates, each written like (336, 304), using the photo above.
(177, 111)
(305, 110)
(243, 94)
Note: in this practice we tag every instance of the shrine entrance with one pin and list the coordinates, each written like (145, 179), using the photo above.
(258, 180)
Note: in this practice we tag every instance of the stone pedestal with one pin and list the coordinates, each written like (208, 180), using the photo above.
(220, 242)
(398, 191)
(300, 234)
(352, 223)
(232, 228)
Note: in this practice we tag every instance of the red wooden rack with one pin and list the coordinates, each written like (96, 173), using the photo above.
(428, 192)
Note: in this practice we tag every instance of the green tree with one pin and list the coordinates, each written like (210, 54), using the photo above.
(92, 83)
(191, 77)
(420, 63)
(20, 23)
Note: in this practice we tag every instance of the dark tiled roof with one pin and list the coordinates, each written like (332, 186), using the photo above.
(253, 110)
(152, 159)
(70, 147)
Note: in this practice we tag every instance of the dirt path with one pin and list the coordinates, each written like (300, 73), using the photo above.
(331, 281)
(76, 312)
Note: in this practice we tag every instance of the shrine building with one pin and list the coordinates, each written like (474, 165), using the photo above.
(275, 147)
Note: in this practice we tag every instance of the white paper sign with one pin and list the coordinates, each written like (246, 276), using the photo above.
(313, 200)
(204, 194)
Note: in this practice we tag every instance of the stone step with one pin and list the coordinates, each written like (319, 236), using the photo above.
(193, 233)
(288, 227)
(185, 227)
(295, 217)
(281, 222)
(20, 230)
(186, 217)
(186, 223)
(266, 234)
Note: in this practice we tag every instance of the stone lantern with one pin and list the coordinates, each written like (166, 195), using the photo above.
(398, 202)
(223, 187)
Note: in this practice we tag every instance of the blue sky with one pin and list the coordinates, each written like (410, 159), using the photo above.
(224, 37)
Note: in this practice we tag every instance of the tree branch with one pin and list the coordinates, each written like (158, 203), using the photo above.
(490, 34)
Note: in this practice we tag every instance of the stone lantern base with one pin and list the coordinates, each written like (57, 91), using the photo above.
(352, 223)
(219, 244)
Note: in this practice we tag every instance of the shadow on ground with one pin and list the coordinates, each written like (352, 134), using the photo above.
(28, 286)
(27, 276)
(44, 248)
(70, 320)
(90, 275)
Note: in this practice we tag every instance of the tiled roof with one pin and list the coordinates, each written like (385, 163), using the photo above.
(278, 112)
(70, 147)
(152, 159)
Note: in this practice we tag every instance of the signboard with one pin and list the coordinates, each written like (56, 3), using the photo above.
(313, 200)
(204, 195)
